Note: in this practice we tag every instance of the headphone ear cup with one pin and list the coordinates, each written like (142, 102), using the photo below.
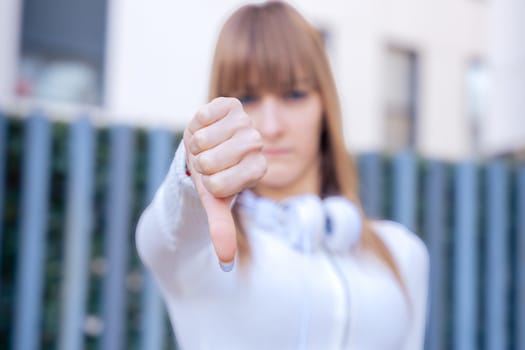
(345, 224)
(309, 224)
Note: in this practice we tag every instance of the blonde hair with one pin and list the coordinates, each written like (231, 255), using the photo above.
(271, 47)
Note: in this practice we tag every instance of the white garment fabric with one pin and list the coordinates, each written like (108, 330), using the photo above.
(305, 222)
(295, 292)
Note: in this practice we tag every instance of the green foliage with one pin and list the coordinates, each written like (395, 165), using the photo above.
(55, 239)
(10, 222)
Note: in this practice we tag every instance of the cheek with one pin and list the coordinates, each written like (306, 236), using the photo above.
(308, 144)
(308, 134)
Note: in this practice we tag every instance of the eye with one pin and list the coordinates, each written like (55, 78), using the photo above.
(295, 95)
(247, 99)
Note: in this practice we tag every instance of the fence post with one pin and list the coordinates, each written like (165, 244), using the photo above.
(3, 159)
(33, 229)
(465, 293)
(80, 193)
(520, 258)
(160, 148)
(117, 236)
(435, 232)
(370, 175)
(405, 189)
(496, 256)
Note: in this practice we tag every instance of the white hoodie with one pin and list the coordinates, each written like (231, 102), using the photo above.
(284, 298)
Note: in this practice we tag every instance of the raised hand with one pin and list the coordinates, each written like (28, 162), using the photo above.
(224, 157)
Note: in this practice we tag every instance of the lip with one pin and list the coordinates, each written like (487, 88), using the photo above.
(276, 151)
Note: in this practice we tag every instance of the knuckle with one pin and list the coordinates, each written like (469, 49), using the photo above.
(231, 103)
(256, 136)
(203, 115)
(244, 122)
(257, 168)
(253, 139)
(198, 140)
(205, 164)
(214, 185)
(221, 99)
(235, 103)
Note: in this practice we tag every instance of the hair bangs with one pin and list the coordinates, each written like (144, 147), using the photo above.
(263, 51)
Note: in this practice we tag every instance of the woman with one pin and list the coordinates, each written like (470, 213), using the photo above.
(262, 182)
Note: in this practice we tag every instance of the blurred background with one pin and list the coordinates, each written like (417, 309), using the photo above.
(94, 94)
(410, 73)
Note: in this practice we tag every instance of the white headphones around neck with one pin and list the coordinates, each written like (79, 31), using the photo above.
(306, 222)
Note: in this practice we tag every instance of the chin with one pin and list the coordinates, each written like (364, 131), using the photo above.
(277, 178)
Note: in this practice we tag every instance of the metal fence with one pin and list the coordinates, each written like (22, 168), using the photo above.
(70, 196)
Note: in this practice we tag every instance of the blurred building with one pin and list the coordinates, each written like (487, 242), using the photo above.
(446, 78)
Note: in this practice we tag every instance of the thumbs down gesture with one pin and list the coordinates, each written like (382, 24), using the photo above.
(224, 157)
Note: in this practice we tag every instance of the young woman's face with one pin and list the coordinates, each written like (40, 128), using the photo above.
(290, 125)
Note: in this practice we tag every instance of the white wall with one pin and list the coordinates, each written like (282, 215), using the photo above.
(159, 55)
(505, 126)
(10, 19)
(158, 58)
(446, 34)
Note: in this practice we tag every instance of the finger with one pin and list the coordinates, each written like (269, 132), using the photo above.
(228, 153)
(219, 132)
(208, 114)
(246, 174)
(220, 222)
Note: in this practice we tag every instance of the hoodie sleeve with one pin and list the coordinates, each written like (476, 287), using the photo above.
(172, 234)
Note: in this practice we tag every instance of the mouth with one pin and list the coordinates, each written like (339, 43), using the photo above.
(274, 151)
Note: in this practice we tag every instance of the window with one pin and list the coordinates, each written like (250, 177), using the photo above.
(62, 50)
(400, 99)
(476, 99)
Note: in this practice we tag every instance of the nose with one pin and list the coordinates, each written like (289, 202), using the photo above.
(269, 122)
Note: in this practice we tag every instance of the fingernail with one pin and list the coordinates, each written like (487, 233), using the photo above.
(227, 267)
